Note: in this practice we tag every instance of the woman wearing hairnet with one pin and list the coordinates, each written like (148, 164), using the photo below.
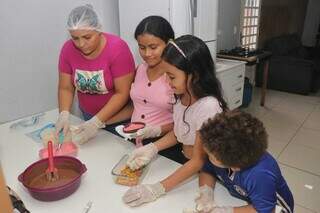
(99, 67)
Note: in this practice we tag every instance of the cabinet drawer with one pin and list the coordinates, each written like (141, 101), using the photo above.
(232, 91)
(232, 83)
(233, 94)
(235, 102)
(232, 77)
(237, 90)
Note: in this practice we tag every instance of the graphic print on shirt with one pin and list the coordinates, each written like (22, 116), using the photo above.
(91, 82)
(241, 191)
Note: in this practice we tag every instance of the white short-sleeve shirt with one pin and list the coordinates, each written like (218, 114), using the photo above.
(198, 113)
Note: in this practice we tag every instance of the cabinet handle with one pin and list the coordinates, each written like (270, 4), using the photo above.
(238, 101)
(239, 76)
(239, 89)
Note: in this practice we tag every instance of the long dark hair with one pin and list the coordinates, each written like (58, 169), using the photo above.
(195, 59)
(156, 26)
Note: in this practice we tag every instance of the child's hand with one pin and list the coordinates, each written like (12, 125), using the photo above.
(140, 194)
(205, 200)
(222, 209)
(142, 156)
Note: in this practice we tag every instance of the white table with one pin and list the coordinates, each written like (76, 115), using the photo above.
(17, 152)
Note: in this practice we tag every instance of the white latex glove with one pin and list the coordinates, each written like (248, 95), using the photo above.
(126, 136)
(222, 209)
(189, 211)
(214, 210)
(88, 130)
(149, 132)
(205, 199)
(140, 194)
(141, 156)
(63, 122)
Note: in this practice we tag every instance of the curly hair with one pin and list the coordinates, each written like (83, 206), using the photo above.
(235, 138)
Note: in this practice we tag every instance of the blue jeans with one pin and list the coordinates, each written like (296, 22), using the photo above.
(109, 128)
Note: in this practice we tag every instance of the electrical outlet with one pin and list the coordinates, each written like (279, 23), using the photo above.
(219, 32)
(235, 29)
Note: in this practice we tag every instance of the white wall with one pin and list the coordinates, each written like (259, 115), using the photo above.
(311, 23)
(32, 33)
(228, 20)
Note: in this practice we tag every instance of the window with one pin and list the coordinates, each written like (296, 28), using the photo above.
(250, 23)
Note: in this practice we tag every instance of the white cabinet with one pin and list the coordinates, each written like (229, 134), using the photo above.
(231, 75)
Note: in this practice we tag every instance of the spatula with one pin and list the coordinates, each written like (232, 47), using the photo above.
(52, 172)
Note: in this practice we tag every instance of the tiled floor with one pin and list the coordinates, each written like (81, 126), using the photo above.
(293, 124)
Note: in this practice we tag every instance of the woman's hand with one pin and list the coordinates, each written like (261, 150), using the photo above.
(88, 130)
(62, 123)
(146, 132)
(149, 132)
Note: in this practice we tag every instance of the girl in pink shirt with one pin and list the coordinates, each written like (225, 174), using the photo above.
(99, 67)
(191, 72)
(151, 95)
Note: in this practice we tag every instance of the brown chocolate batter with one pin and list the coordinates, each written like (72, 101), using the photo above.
(64, 176)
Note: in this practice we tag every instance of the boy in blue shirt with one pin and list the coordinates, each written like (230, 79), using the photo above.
(236, 144)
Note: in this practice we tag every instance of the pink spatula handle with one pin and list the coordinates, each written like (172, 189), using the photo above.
(50, 156)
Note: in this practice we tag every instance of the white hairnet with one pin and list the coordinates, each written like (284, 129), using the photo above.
(83, 18)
